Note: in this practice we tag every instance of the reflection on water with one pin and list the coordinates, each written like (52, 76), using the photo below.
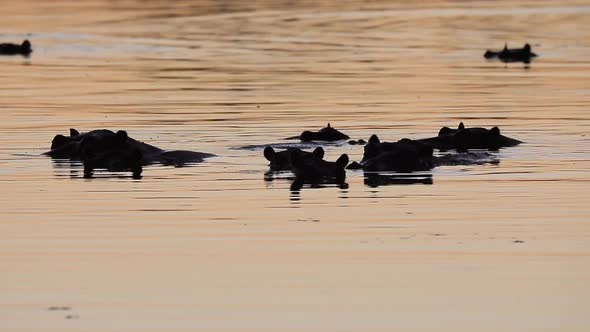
(186, 248)
(376, 179)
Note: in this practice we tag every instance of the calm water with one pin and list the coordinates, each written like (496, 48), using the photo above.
(215, 246)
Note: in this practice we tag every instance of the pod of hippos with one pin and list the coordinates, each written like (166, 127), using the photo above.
(403, 156)
(117, 152)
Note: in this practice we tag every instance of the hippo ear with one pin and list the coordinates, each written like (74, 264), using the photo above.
(374, 139)
(505, 46)
(74, 132)
(319, 152)
(122, 135)
(445, 131)
(342, 161)
(495, 131)
(328, 125)
(269, 152)
(461, 126)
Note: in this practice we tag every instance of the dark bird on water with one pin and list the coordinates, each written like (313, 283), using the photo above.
(16, 49)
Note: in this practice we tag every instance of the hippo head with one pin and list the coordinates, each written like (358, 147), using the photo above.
(65, 146)
(96, 144)
(282, 160)
(448, 131)
(59, 141)
(115, 152)
(477, 138)
(315, 168)
(314, 171)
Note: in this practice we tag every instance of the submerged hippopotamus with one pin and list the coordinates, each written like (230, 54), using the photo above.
(464, 138)
(116, 151)
(16, 49)
(308, 167)
(327, 134)
(408, 155)
(405, 155)
(512, 54)
(314, 170)
(281, 160)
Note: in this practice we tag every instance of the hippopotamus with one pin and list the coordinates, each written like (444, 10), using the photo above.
(327, 134)
(281, 160)
(375, 147)
(314, 170)
(512, 54)
(408, 155)
(115, 153)
(469, 138)
(16, 49)
(405, 155)
(103, 148)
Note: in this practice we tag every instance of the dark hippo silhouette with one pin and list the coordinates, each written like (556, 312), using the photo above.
(314, 170)
(464, 138)
(16, 49)
(375, 147)
(281, 160)
(327, 134)
(68, 147)
(512, 55)
(408, 156)
(106, 149)
(115, 153)
(404, 155)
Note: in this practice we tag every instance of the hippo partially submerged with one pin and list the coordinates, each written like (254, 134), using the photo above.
(408, 155)
(327, 134)
(307, 167)
(15, 49)
(314, 170)
(464, 138)
(404, 155)
(116, 151)
(282, 160)
(512, 54)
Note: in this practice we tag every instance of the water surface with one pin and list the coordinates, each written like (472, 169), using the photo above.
(215, 246)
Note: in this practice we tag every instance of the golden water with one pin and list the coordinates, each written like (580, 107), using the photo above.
(215, 247)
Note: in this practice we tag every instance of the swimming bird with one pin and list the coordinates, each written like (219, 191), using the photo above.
(15, 49)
